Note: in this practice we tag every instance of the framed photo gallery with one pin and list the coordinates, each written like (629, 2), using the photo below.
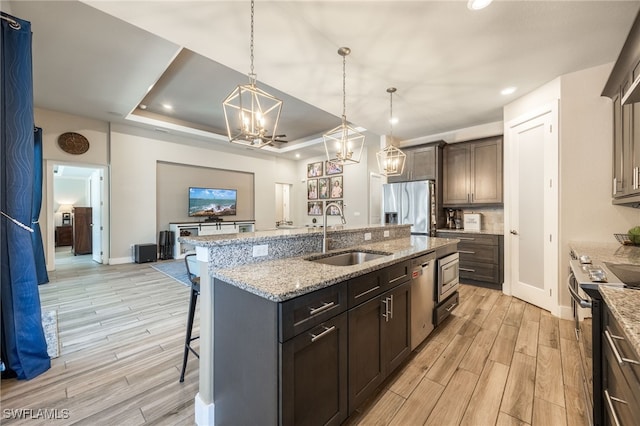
(324, 183)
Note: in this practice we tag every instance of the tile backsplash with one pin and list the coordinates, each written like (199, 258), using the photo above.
(492, 217)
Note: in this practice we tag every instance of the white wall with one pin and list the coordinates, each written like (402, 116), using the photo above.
(69, 191)
(355, 193)
(134, 154)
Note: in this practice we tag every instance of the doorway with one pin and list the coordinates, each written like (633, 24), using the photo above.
(283, 204)
(531, 247)
(70, 185)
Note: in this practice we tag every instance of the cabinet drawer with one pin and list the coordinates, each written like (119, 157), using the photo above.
(486, 272)
(619, 400)
(469, 239)
(613, 335)
(478, 253)
(301, 313)
(444, 310)
(365, 287)
(396, 274)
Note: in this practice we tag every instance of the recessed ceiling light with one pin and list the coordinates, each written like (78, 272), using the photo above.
(143, 106)
(298, 155)
(393, 120)
(167, 107)
(478, 4)
(508, 90)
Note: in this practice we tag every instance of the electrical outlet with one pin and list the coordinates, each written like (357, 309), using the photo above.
(386, 233)
(261, 250)
(367, 236)
(356, 213)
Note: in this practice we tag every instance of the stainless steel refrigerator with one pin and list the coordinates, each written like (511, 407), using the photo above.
(410, 203)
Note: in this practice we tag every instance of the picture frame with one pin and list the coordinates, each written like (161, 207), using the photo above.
(332, 168)
(314, 208)
(66, 218)
(323, 188)
(312, 189)
(336, 189)
(314, 169)
(334, 211)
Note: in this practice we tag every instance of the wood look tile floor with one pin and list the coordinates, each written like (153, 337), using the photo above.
(495, 361)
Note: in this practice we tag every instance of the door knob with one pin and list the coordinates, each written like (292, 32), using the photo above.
(514, 232)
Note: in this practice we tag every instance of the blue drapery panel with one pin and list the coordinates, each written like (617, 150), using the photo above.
(24, 349)
(36, 235)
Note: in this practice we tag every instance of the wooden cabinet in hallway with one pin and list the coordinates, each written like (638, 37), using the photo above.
(82, 224)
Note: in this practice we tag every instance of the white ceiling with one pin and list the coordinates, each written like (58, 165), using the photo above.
(99, 58)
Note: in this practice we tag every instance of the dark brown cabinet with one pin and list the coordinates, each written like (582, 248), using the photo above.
(313, 359)
(64, 236)
(379, 340)
(481, 258)
(82, 230)
(473, 173)
(620, 375)
(423, 163)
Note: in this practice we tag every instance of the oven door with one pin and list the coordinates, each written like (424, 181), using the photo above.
(448, 276)
(581, 304)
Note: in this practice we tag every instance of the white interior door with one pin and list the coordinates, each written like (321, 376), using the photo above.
(533, 202)
(375, 199)
(96, 210)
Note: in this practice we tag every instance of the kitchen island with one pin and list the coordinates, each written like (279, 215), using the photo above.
(231, 268)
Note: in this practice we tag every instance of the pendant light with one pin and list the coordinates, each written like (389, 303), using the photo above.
(248, 111)
(343, 144)
(391, 160)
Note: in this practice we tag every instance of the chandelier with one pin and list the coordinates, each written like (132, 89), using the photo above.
(343, 144)
(391, 160)
(248, 111)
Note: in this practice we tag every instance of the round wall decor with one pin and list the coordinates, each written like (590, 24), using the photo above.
(73, 143)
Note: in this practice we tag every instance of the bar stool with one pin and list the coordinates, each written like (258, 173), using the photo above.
(193, 298)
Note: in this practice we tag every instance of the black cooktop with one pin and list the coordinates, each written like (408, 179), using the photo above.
(629, 274)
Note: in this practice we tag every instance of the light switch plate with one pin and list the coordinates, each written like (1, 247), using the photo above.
(386, 233)
(261, 250)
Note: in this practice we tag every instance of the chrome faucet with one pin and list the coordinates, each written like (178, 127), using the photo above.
(324, 223)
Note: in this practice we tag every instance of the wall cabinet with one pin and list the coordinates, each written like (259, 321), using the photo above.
(620, 375)
(423, 163)
(473, 173)
(481, 258)
(183, 229)
(623, 87)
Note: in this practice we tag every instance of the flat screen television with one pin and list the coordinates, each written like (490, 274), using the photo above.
(212, 202)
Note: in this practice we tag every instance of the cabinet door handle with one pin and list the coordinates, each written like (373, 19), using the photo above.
(366, 292)
(612, 409)
(450, 308)
(385, 314)
(621, 360)
(466, 252)
(615, 186)
(324, 307)
(465, 238)
(466, 269)
(326, 331)
(391, 306)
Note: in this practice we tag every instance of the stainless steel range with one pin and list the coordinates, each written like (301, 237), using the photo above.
(584, 279)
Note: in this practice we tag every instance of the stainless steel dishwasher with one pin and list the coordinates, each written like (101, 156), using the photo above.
(422, 297)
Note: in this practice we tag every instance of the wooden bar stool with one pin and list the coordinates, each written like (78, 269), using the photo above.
(193, 298)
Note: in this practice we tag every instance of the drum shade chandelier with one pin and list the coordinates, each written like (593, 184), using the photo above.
(391, 160)
(248, 110)
(343, 144)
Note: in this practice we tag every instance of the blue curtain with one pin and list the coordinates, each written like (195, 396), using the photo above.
(36, 236)
(24, 349)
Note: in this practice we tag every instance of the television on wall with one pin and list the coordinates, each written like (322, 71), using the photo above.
(212, 202)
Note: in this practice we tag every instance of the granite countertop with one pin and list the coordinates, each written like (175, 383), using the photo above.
(283, 279)
(274, 234)
(624, 304)
(607, 252)
(495, 231)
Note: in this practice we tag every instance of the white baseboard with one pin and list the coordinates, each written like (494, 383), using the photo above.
(120, 260)
(205, 413)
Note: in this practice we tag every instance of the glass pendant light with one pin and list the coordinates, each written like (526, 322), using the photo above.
(249, 111)
(391, 160)
(343, 144)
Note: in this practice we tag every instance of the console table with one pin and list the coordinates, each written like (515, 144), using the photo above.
(182, 229)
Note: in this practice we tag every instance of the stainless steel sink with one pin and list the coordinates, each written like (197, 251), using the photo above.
(349, 258)
(627, 273)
